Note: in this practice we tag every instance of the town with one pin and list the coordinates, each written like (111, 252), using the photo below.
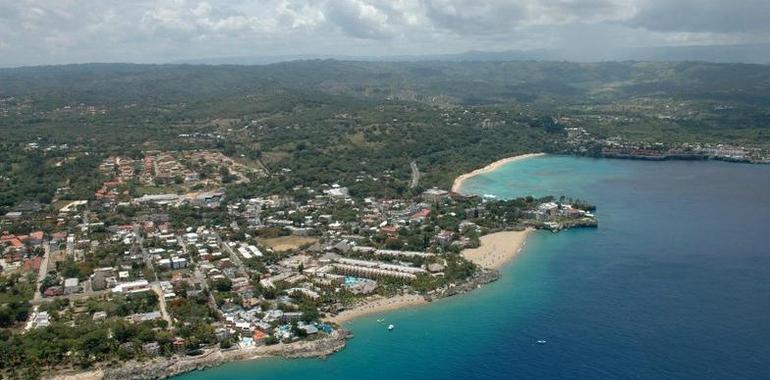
(191, 271)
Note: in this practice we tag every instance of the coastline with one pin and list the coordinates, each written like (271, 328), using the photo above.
(458, 182)
(498, 248)
(162, 368)
(379, 305)
(494, 251)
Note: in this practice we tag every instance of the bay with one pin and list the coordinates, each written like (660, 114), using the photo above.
(674, 284)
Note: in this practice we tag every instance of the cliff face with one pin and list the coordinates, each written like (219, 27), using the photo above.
(163, 368)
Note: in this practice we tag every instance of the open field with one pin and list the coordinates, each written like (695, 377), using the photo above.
(289, 243)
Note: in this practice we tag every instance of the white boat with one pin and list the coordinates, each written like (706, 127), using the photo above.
(391, 327)
(541, 341)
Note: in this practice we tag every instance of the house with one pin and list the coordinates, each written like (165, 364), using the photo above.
(420, 216)
(41, 319)
(548, 208)
(390, 230)
(258, 337)
(71, 285)
(53, 291)
(179, 344)
(33, 264)
(35, 238)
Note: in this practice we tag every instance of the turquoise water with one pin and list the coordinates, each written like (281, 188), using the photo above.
(547, 175)
(675, 284)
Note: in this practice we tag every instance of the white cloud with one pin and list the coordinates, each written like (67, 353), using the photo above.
(58, 31)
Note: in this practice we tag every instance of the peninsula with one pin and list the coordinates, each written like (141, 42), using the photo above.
(147, 216)
(204, 279)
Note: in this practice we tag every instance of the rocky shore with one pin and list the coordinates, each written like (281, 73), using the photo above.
(481, 277)
(161, 368)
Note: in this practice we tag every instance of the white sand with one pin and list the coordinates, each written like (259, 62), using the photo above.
(378, 305)
(458, 183)
(498, 248)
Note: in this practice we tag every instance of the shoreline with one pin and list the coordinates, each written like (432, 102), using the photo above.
(163, 368)
(458, 182)
(496, 249)
(379, 305)
(489, 256)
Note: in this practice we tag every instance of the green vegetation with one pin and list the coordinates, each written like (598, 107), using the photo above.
(299, 129)
(356, 122)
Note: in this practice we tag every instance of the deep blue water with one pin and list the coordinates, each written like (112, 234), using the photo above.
(674, 284)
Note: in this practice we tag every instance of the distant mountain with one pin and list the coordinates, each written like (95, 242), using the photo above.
(472, 81)
(756, 53)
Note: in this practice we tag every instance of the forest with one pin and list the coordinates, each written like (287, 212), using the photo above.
(356, 123)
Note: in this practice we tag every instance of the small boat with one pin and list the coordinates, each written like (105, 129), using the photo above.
(541, 341)
(380, 320)
(391, 327)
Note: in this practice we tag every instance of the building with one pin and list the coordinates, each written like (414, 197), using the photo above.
(71, 285)
(548, 208)
(178, 263)
(375, 269)
(435, 195)
(258, 337)
(132, 287)
(40, 320)
(420, 216)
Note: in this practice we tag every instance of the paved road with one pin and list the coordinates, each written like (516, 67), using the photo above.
(415, 174)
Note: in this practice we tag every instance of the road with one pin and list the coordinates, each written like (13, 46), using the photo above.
(42, 272)
(199, 276)
(162, 302)
(415, 174)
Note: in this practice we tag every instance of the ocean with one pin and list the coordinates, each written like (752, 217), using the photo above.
(674, 284)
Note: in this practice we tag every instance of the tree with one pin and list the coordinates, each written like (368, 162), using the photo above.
(223, 285)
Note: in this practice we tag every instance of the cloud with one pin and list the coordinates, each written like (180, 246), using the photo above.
(710, 16)
(358, 19)
(60, 31)
(504, 16)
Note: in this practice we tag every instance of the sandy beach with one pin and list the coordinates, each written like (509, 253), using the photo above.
(378, 305)
(458, 183)
(498, 248)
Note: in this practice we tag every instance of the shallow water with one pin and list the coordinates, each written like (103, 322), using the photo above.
(674, 284)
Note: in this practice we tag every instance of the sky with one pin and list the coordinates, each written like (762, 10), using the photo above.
(38, 32)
